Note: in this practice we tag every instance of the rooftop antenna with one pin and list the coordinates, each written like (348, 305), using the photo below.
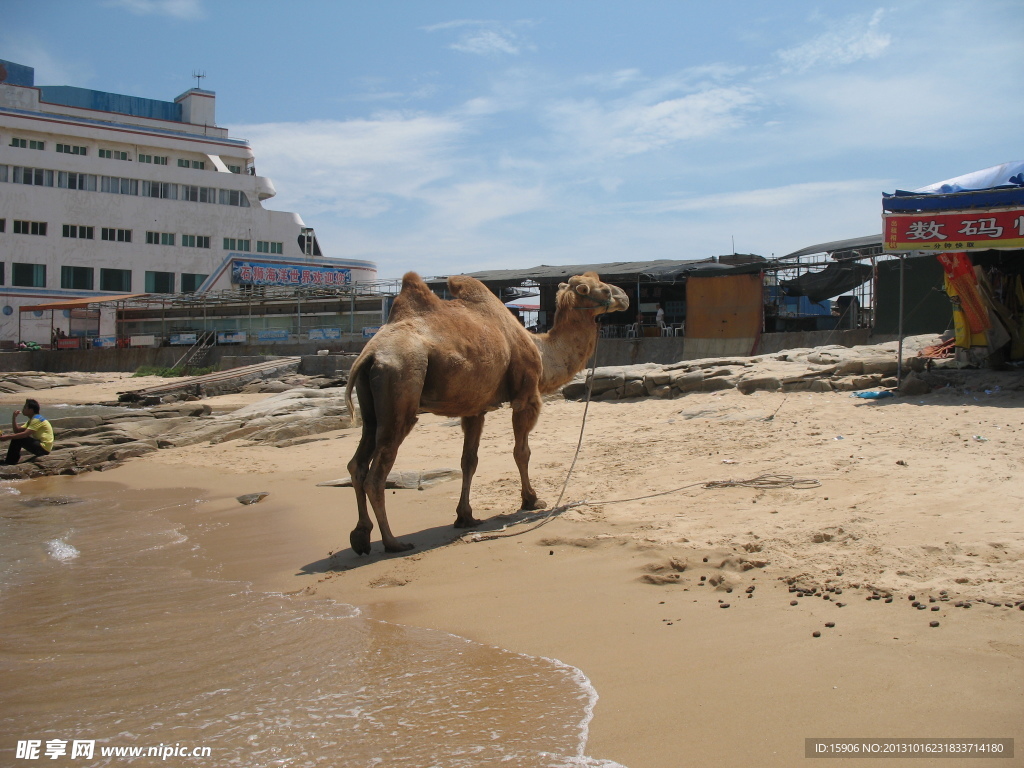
(198, 74)
(733, 243)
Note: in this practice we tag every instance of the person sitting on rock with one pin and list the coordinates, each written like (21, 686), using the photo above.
(35, 436)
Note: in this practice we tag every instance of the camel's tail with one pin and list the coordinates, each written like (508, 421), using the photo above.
(353, 374)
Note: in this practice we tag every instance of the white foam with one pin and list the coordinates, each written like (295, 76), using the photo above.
(61, 550)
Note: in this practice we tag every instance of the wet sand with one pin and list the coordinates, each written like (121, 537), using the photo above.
(909, 504)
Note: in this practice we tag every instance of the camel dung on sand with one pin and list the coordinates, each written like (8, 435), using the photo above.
(462, 357)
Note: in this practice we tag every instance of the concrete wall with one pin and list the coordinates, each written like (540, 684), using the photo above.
(609, 352)
(670, 349)
(128, 360)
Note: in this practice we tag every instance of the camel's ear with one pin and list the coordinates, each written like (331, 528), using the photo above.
(582, 289)
(562, 286)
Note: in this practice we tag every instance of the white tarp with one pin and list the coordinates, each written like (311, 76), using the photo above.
(1007, 174)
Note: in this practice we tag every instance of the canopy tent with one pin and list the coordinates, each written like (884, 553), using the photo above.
(79, 303)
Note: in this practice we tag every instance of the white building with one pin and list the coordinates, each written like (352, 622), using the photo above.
(103, 194)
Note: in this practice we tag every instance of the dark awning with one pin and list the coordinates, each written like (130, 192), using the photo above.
(833, 280)
(852, 244)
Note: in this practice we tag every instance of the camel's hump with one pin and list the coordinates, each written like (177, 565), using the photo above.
(470, 289)
(415, 297)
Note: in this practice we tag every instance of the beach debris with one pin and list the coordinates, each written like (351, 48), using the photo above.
(876, 395)
(933, 624)
(979, 439)
(416, 479)
(815, 633)
(252, 498)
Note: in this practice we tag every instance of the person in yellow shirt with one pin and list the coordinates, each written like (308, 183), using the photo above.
(35, 436)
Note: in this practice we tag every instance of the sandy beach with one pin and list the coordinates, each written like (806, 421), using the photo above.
(693, 611)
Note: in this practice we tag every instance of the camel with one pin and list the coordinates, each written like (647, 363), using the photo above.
(462, 358)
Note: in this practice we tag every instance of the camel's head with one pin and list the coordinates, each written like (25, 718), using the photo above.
(586, 291)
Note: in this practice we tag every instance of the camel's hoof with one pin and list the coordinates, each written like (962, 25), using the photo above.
(530, 506)
(397, 546)
(467, 522)
(360, 541)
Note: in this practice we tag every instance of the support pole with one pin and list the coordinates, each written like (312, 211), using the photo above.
(899, 345)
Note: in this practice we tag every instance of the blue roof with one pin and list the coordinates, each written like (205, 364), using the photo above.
(17, 74)
(83, 98)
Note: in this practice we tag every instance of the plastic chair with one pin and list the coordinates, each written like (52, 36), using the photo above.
(665, 329)
(634, 331)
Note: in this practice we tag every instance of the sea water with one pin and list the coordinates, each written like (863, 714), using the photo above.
(115, 631)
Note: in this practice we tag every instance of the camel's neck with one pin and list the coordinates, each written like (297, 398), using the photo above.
(567, 347)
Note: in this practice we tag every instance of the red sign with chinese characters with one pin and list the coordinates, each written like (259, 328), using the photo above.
(963, 231)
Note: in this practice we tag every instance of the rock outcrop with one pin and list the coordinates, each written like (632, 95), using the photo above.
(821, 369)
(86, 443)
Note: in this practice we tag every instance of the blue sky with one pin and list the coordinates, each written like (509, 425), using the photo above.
(456, 136)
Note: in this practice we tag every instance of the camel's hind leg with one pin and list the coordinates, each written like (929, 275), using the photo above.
(396, 402)
(472, 428)
(524, 418)
(359, 466)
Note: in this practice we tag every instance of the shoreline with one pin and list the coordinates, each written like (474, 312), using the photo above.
(680, 680)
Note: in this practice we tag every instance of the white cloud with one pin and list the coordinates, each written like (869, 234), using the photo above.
(178, 9)
(49, 69)
(486, 42)
(788, 197)
(353, 168)
(483, 37)
(849, 41)
(631, 126)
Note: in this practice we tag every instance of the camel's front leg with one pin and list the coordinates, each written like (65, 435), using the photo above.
(472, 428)
(524, 418)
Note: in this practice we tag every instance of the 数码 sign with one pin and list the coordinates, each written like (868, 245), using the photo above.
(955, 231)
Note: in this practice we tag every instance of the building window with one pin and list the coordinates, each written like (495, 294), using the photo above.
(3, 173)
(116, 235)
(159, 282)
(233, 244)
(198, 194)
(3, 224)
(233, 197)
(28, 275)
(195, 241)
(235, 168)
(39, 177)
(160, 238)
(119, 186)
(36, 144)
(30, 228)
(68, 180)
(197, 164)
(263, 246)
(115, 279)
(70, 149)
(190, 283)
(82, 233)
(160, 189)
(113, 154)
(76, 278)
(19, 143)
(159, 159)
